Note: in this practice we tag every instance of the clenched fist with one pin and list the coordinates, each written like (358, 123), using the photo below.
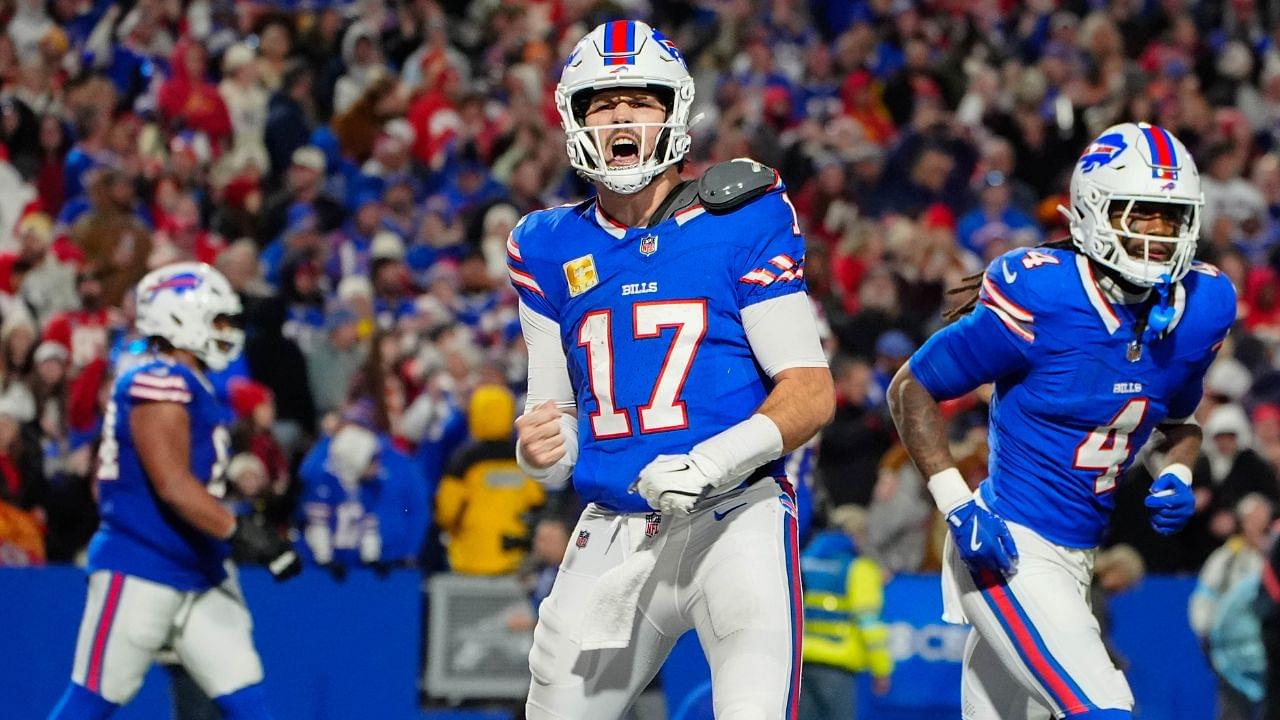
(541, 441)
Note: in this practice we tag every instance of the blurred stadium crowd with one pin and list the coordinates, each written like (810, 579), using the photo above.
(354, 169)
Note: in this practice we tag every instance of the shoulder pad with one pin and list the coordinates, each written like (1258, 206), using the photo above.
(681, 198)
(728, 185)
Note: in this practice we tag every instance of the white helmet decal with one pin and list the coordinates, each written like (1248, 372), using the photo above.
(180, 302)
(625, 54)
(1129, 164)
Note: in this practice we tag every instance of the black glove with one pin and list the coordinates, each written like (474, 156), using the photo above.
(264, 547)
(336, 570)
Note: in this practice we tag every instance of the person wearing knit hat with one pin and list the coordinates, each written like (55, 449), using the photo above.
(484, 496)
(255, 409)
(246, 396)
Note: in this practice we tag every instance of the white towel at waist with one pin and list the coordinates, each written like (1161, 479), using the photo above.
(613, 601)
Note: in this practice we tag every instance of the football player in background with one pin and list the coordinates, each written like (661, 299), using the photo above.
(157, 564)
(673, 360)
(1092, 345)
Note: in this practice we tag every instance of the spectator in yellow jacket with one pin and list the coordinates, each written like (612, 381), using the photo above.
(843, 635)
(484, 498)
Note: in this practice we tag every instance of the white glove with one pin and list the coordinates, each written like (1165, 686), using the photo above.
(672, 483)
(677, 482)
(371, 541)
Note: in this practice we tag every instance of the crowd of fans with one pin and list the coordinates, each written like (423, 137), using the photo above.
(354, 169)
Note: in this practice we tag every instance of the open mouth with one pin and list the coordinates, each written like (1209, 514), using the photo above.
(624, 151)
(1158, 252)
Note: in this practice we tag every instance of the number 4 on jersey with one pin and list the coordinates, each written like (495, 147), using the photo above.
(1106, 449)
(665, 410)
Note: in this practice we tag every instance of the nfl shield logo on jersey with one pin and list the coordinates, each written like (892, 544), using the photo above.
(581, 275)
(583, 537)
(648, 245)
(652, 524)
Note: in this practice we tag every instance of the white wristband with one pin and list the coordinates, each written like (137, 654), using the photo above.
(1178, 470)
(555, 475)
(949, 490)
(739, 450)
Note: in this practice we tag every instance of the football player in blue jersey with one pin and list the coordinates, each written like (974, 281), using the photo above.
(1092, 346)
(673, 360)
(157, 564)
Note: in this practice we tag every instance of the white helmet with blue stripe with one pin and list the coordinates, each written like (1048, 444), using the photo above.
(1129, 165)
(625, 54)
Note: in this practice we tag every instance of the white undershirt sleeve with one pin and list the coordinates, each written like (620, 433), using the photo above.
(548, 369)
(783, 333)
(549, 380)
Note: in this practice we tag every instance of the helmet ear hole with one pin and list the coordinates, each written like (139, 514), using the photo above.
(579, 103)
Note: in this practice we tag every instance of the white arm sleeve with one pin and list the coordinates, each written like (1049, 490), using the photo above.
(549, 380)
(548, 369)
(783, 333)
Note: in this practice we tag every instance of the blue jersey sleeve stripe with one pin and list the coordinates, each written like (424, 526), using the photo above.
(513, 248)
(785, 270)
(163, 382)
(524, 280)
(967, 353)
(1004, 303)
(158, 388)
(139, 392)
(1014, 326)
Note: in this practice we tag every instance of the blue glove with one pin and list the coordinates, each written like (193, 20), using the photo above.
(1171, 503)
(982, 538)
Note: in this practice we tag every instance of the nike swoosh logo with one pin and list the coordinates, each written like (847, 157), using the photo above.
(974, 543)
(1009, 277)
(721, 515)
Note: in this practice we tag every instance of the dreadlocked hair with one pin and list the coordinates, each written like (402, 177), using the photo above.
(971, 285)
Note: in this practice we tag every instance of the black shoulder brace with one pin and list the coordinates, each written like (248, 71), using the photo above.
(728, 185)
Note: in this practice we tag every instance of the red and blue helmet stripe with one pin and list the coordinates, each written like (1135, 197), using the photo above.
(1164, 154)
(620, 43)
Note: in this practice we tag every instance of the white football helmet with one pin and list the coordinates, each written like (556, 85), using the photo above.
(621, 54)
(180, 302)
(1129, 164)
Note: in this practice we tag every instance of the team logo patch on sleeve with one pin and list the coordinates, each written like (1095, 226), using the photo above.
(580, 274)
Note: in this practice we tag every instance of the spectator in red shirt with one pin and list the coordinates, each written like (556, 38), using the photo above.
(187, 99)
(84, 334)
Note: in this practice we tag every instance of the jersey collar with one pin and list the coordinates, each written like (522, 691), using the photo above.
(1102, 300)
(1097, 298)
(606, 223)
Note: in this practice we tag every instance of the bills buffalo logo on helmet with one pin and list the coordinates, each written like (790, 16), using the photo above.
(1102, 151)
(669, 46)
(178, 283)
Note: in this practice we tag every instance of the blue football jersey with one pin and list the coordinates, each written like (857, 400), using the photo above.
(140, 534)
(651, 325)
(394, 504)
(1073, 403)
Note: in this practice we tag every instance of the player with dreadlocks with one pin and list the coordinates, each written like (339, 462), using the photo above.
(1091, 345)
